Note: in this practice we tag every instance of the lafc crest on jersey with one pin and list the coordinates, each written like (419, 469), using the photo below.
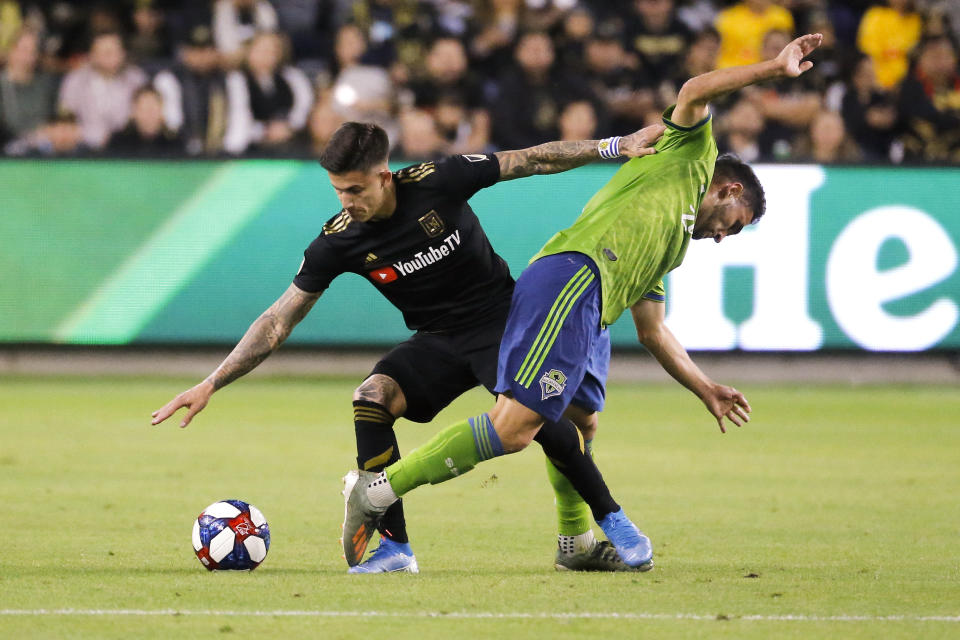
(432, 223)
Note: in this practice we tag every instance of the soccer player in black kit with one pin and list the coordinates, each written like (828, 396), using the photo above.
(414, 237)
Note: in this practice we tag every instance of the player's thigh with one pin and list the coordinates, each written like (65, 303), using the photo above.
(480, 347)
(430, 373)
(590, 396)
(551, 332)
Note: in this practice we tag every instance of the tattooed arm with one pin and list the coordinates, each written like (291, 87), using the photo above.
(262, 338)
(554, 157)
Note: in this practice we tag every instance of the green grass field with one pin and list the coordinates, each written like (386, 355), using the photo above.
(834, 513)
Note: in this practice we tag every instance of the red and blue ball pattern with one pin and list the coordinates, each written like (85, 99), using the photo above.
(231, 535)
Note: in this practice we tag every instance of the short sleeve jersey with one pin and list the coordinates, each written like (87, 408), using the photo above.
(636, 228)
(431, 259)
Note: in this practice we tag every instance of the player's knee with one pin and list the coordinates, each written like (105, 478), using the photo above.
(515, 424)
(589, 429)
(560, 440)
(513, 441)
(382, 390)
(586, 422)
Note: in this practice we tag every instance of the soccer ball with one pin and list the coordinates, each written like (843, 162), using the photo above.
(231, 534)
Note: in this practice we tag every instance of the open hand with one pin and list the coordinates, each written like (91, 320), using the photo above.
(791, 59)
(194, 399)
(726, 402)
(640, 143)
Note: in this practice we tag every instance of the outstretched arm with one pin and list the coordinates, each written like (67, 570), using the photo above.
(697, 92)
(554, 157)
(721, 401)
(262, 338)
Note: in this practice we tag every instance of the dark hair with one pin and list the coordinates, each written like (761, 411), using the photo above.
(443, 37)
(106, 33)
(730, 168)
(355, 146)
(938, 38)
(451, 98)
(706, 32)
(531, 33)
(851, 65)
(146, 89)
(63, 117)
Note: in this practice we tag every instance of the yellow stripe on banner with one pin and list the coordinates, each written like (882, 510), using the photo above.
(133, 294)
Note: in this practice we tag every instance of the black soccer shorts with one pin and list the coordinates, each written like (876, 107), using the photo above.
(433, 369)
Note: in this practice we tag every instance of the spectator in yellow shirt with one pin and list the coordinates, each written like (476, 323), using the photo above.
(887, 35)
(10, 22)
(743, 26)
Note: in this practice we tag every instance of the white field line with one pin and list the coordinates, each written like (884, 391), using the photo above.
(475, 615)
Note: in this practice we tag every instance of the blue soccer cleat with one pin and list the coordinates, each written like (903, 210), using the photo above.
(389, 557)
(634, 547)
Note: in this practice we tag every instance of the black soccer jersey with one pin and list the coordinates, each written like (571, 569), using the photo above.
(431, 259)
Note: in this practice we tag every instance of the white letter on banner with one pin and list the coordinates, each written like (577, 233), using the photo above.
(778, 250)
(856, 290)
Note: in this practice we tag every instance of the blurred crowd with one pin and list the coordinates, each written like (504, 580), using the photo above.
(274, 78)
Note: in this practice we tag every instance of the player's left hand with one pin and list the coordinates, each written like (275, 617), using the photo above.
(640, 143)
(726, 402)
(791, 59)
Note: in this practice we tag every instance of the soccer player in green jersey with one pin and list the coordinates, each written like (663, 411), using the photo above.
(555, 349)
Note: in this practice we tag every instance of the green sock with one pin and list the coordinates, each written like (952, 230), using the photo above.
(450, 453)
(573, 514)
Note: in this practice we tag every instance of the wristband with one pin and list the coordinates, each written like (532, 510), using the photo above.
(609, 148)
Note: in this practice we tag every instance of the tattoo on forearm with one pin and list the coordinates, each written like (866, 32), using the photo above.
(263, 337)
(552, 157)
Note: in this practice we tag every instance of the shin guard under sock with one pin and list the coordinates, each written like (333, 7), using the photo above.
(450, 453)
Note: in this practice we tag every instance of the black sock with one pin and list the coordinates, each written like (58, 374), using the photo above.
(563, 444)
(377, 448)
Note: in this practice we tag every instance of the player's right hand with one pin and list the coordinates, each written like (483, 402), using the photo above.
(640, 143)
(726, 402)
(791, 59)
(194, 399)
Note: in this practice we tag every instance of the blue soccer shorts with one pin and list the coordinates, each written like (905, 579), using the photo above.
(554, 351)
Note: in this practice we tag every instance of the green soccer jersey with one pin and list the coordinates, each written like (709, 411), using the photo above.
(638, 226)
